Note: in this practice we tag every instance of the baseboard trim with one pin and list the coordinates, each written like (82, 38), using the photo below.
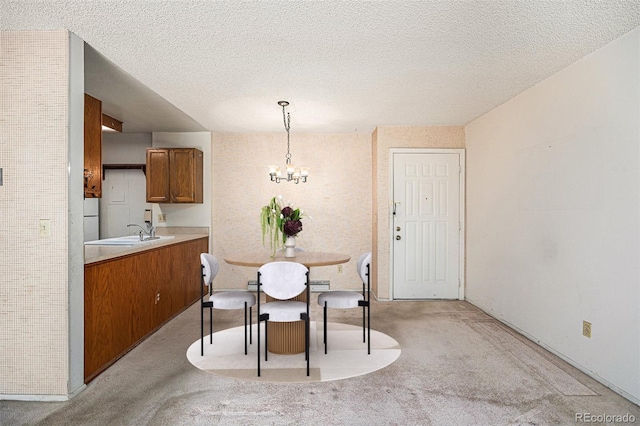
(42, 398)
(563, 357)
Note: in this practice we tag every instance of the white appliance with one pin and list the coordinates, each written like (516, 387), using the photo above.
(91, 219)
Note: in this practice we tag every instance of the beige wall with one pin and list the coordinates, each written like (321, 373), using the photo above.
(385, 138)
(337, 197)
(34, 156)
(552, 219)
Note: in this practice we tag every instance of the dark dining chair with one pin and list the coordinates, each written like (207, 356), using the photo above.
(347, 299)
(221, 300)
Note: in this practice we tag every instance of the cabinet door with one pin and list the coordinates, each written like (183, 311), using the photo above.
(158, 175)
(186, 270)
(119, 309)
(186, 175)
(92, 147)
(165, 284)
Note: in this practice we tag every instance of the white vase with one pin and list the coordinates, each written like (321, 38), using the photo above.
(290, 247)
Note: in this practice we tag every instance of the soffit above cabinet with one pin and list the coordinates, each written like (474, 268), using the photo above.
(123, 97)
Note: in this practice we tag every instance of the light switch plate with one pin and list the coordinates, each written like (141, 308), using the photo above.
(45, 228)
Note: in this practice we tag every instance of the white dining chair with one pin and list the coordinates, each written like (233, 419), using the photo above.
(283, 281)
(221, 300)
(347, 299)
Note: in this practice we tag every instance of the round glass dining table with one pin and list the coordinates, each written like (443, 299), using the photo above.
(287, 337)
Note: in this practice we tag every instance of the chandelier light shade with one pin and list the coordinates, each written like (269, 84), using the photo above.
(291, 173)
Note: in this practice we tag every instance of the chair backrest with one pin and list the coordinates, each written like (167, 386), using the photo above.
(363, 262)
(210, 267)
(283, 280)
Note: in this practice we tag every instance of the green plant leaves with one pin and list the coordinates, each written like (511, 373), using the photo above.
(271, 224)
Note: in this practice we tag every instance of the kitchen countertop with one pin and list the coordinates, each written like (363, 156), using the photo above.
(96, 253)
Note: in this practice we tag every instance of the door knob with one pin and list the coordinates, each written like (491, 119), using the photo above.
(398, 237)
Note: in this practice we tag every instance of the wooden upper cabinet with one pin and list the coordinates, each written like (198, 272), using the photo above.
(185, 175)
(92, 147)
(174, 175)
(158, 176)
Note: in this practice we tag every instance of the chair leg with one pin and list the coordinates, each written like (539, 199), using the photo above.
(306, 351)
(324, 325)
(211, 325)
(363, 324)
(201, 329)
(307, 344)
(266, 340)
(245, 328)
(250, 325)
(368, 327)
(265, 318)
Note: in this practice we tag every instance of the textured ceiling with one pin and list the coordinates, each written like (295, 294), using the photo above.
(344, 66)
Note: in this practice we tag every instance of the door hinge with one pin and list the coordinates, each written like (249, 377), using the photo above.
(459, 226)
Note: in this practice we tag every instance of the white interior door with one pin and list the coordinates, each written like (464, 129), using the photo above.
(427, 225)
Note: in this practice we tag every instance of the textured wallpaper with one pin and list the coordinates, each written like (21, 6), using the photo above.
(338, 197)
(33, 155)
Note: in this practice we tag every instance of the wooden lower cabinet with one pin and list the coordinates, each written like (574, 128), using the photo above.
(128, 298)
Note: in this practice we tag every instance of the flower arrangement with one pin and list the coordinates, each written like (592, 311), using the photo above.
(291, 223)
(279, 222)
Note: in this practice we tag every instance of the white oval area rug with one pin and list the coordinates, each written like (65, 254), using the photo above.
(346, 357)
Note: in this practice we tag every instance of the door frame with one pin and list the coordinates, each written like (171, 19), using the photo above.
(462, 236)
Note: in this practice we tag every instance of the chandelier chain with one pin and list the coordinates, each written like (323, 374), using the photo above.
(287, 126)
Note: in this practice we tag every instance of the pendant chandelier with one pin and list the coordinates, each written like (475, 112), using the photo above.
(292, 173)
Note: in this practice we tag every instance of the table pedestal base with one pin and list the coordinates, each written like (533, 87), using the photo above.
(286, 338)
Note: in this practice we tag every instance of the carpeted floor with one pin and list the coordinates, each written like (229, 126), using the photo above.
(347, 358)
(458, 367)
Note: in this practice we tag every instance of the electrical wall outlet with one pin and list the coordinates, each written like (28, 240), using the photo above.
(44, 230)
(339, 269)
(162, 217)
(586, 329)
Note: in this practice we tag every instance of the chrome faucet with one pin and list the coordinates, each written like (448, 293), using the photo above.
(151, 230)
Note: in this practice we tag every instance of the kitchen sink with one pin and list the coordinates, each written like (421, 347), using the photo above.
(129, 240)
